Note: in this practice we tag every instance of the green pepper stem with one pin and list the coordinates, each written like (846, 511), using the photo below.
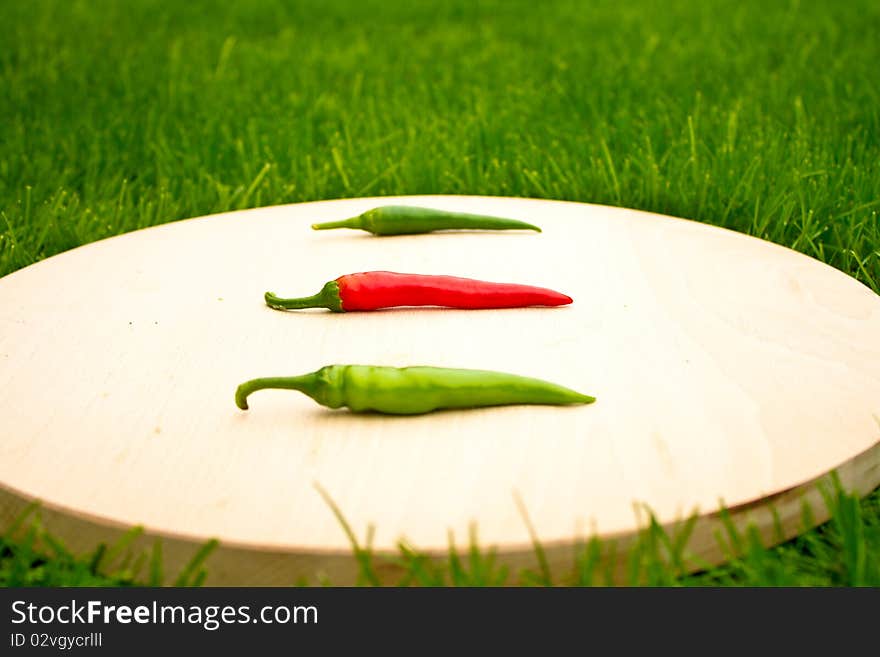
(328, 297)
(314, 301)
(354, 222)
(306, 384)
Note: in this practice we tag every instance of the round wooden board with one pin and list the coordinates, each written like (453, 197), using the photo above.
(725, 368)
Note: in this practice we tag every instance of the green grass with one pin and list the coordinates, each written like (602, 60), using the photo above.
(759, 116)
(842, 552)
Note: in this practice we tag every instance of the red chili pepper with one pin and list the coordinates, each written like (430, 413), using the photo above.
(384, 289)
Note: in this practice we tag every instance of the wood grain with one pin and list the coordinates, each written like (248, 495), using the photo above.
(725, 368)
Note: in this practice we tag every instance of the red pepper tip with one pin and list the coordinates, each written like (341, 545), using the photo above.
(558, 299)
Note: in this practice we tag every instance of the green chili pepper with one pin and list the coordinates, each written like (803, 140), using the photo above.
(406, 220)
(414, 390)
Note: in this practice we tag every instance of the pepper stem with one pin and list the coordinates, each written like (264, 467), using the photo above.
(328, 297)
(306, 383)
(354, 222)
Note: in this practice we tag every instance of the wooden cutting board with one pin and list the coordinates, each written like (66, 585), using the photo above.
(725, 368)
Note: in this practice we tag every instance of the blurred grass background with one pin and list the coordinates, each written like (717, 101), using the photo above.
(761, 117)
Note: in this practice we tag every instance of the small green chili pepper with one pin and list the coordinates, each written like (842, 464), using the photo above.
(414, 390)
(406, 220)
